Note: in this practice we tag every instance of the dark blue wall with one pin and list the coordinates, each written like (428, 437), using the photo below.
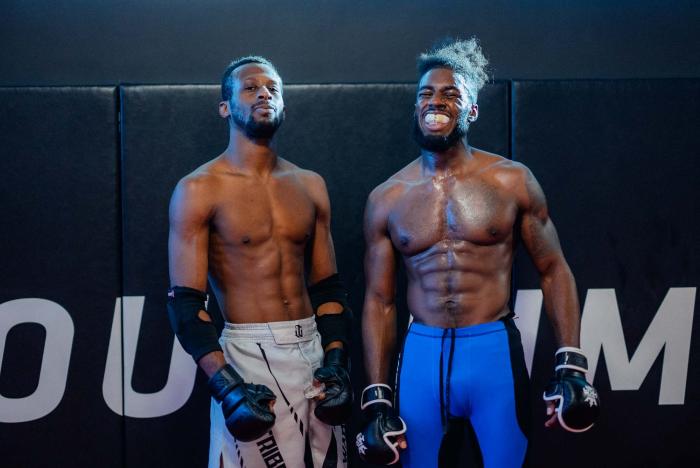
(75, 42)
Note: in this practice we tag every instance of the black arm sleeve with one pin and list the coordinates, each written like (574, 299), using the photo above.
(332, 327)
(198, 337)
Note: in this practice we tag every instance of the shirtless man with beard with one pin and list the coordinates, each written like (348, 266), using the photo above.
(247, 220)
(453, 216)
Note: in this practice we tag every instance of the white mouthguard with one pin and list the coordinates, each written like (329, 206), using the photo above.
(436, 118)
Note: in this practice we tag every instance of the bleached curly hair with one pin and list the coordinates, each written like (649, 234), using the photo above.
(464, 57)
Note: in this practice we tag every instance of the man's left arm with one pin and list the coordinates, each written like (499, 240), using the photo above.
(333, 315)
(571, 401)
(542, 243)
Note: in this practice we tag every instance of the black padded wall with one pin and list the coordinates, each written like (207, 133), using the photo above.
(60, 276)
(355, 136)
(167, 131)
(618, 163)
(615, 158)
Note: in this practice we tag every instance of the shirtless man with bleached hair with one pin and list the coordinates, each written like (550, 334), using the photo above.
(453, 216)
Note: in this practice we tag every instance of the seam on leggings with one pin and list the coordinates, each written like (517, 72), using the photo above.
(397, 377)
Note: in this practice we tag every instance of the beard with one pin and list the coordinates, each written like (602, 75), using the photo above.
(254, 129)
(436, 143)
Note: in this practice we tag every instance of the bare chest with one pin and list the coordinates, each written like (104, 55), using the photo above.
(451, 210)
(250, 213)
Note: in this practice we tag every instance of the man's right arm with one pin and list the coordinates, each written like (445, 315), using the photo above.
(188, 242)
(382, 434)
(247, 408)
(379, 311)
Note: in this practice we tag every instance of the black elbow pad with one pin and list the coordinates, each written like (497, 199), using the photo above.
(330, 289)
(198, 337)
(332, 327)
(335, 327)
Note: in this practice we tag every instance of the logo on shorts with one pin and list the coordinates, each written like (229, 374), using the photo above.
(298, 332)
(270, 451)
(360, 442)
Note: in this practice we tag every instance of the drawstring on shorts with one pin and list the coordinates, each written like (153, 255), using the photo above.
(445, 391)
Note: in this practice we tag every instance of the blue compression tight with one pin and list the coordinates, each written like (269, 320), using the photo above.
(471, 377)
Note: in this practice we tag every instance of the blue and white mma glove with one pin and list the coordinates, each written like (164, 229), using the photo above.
(577, 402)
(376, 442)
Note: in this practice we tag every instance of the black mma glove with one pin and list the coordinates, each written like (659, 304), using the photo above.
(336, 408)
(376, 442)
(246, 407)
(578, 403)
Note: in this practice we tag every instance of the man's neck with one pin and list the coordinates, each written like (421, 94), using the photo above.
(254, 155)
(445, 162)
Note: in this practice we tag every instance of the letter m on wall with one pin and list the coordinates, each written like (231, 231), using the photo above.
(669, 331)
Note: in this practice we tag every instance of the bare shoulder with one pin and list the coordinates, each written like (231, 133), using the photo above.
(497, 164)
(196, 192)
(287, 168)
(511, 176)
(201, 181)
(515, 178)
(392, 188)
(311, 181)
(384, 197)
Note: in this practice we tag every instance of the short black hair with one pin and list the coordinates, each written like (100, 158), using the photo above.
(226, 83)
(464, 57)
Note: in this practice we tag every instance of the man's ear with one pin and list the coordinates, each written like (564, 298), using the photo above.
(224, 110)
(473, 113)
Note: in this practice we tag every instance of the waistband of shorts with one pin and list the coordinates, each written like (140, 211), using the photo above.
(460, 332)
(287, 332)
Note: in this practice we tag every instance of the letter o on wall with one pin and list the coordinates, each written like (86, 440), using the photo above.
(54, 363)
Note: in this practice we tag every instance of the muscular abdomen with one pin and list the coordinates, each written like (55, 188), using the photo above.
(256, 254)
(263, 283)
(457, 283)
(456, 237)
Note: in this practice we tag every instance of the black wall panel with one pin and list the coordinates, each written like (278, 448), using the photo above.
(59, 242)
(618, 163)
(167, 131)
(617, 160)
(355, 136)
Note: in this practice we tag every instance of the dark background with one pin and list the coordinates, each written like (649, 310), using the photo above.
(87, 172)
(74, 42)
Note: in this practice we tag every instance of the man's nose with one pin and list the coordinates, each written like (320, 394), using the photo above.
(436, 101)
(264, 93)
